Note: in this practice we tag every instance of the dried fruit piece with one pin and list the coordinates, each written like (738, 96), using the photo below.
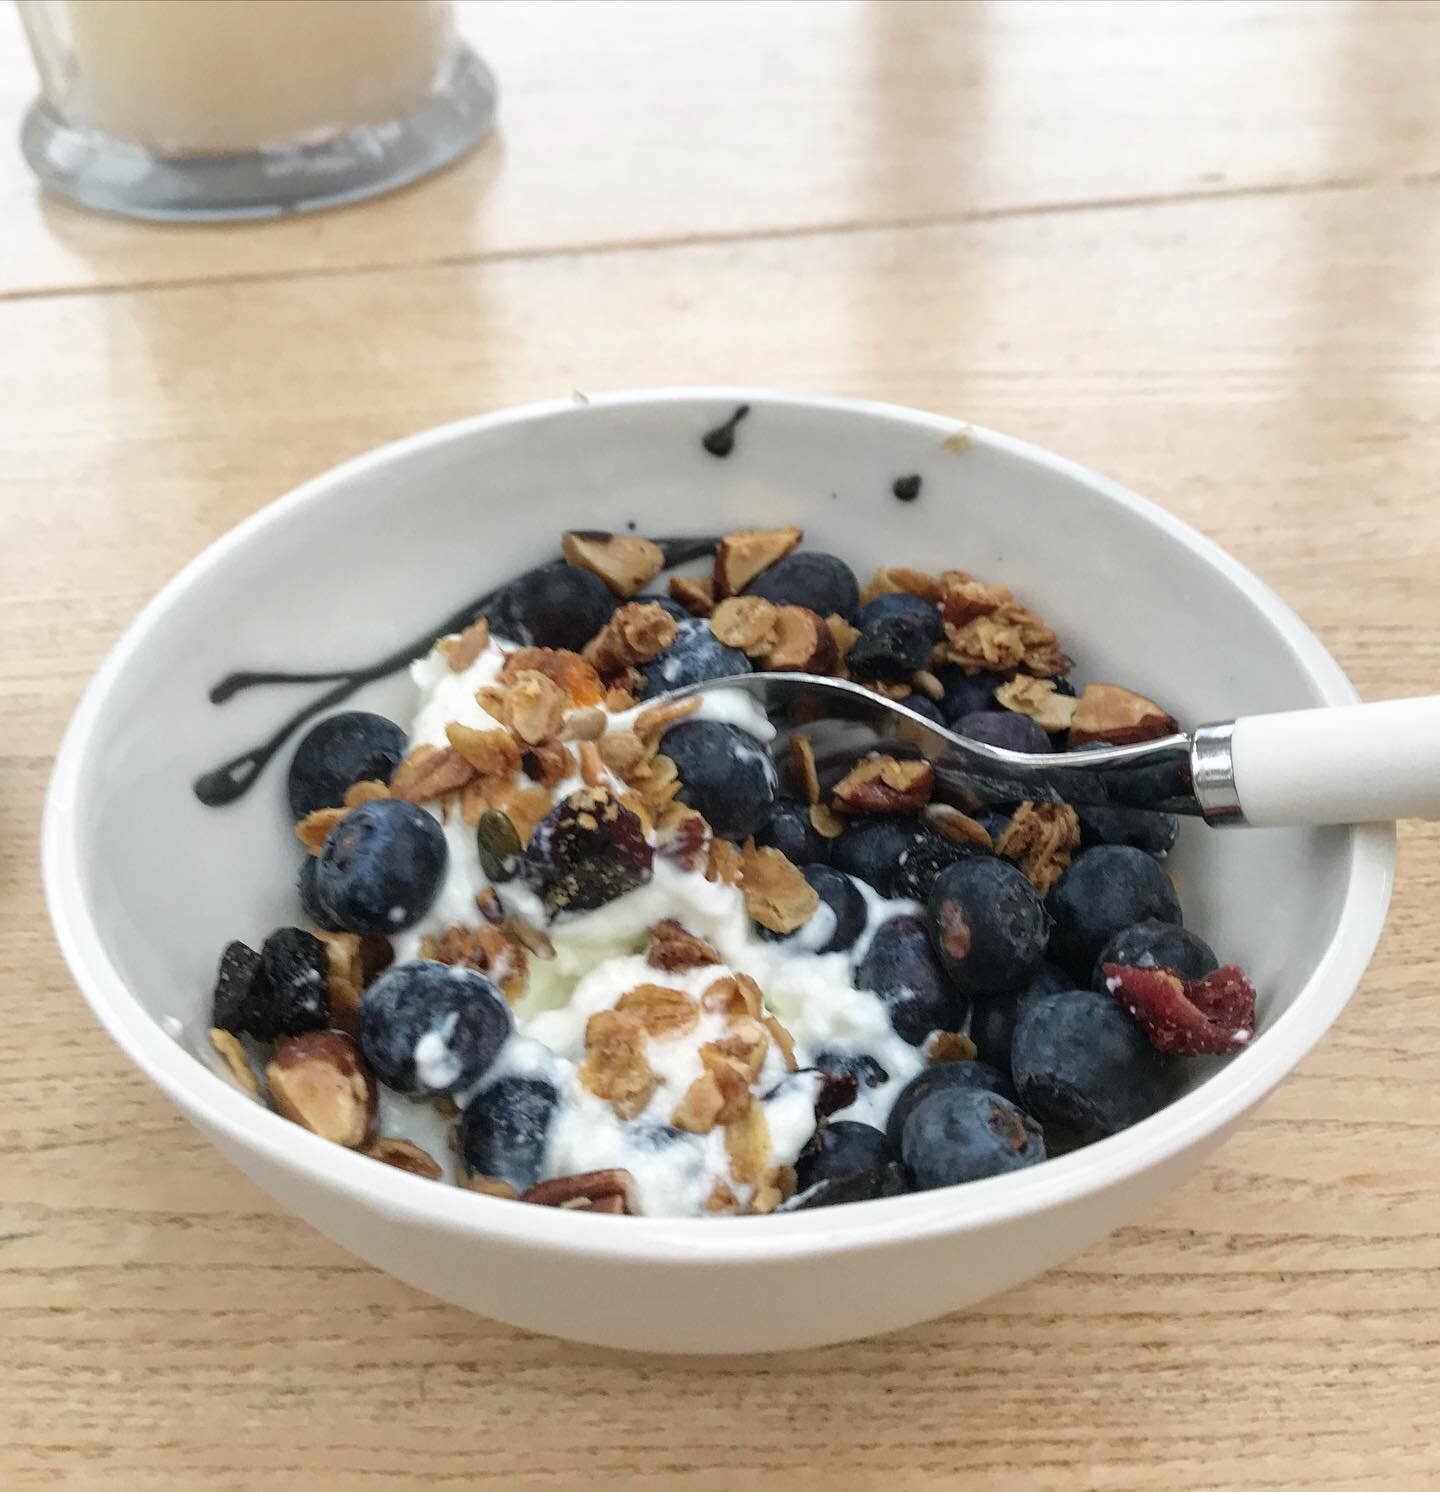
(953, 824)
(318, 1080)
(674, 949)
(404, 1157)
(588, 1191)
(1118, 717)
(1040, 700)
(635, 634)
(825, 821)
(537, 706)
(1187, 1017)
(232, 1053)
(741, 556)
(468, 646)
(549, 762)
(430, 772)
(664, 1012)
(881, 784)
(684, 837)
(696, 593)
(1040, 838)
(777, 895)
(625, 562)
(586, 851)
(745, 622)
(614, 1067)
(802, 767)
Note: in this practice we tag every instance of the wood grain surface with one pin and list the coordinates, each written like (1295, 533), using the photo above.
(1194, 246)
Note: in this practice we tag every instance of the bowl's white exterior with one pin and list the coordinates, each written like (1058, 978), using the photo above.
(145, 886)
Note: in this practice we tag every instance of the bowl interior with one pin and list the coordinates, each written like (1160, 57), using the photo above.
(386, 547)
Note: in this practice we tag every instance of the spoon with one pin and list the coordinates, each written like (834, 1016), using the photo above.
(1344, 764)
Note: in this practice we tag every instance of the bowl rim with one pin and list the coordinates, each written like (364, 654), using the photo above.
(223, 1112)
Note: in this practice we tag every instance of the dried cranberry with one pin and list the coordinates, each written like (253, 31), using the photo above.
(1188, 1017)
(585, 852)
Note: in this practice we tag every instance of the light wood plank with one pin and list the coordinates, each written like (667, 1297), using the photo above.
(1266, 368)
(642, 123)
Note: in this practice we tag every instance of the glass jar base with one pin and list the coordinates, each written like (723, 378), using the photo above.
(118, 176)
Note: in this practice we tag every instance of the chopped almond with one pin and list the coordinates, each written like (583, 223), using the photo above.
(625, 562)
(1118, 717)
(741, 556)
(696, 593)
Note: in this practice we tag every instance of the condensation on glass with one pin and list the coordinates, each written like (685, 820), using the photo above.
(233, 108)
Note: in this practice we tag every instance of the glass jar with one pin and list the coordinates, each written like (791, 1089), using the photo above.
(209, 109)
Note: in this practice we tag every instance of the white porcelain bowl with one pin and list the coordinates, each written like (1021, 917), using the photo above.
(145, 885)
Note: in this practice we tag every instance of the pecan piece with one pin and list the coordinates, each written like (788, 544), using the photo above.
(881, 784)
(662, 1011)
(430, 772)
(741, 556)
(319, 1081)
(673, 949)
(586, 1192)
(625, 562)
(1118, 717)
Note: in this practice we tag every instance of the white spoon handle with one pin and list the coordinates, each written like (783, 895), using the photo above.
(1349, 765)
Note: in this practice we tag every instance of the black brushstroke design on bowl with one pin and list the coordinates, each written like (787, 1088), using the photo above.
(721, 440)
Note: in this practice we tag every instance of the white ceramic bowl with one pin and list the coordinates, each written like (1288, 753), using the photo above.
(145, 885)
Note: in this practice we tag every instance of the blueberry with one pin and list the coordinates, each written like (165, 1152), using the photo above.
(1079, 1060)
(968, 693)
(292, 993)
(559, 606)
(963, 1134)
(1155, 833)
(838, 1149)
(1157, 945)
(1104, 891)
(429, 1028)
(889, 1179)
(993, 1017)
(871, 848)
(310, 902)
(898, 633)
(901, 968)
(381, 867)
(861, 1066)
(836, 923)
(504, 1128)
(789, 830)
(989, 926)
(585, 852)
(926, 707)
(921, 862)
(725, 774)
(235, 987)
(1003, 728)
(994, 821)
(812, 579)
(695, 655)
(969, 1075)
(339, 752)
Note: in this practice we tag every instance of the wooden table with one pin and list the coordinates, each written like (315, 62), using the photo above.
(1194, 246)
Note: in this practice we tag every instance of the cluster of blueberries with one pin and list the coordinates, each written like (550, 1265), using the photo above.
(1059, 1060)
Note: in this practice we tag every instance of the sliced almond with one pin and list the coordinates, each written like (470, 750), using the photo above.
(696, 593)
(468, 646)
(652, 723)
(430, 772)
(825, 821)
(741, 556)
(844, 634)
(319, 1081)
(490, 1186)
(495, 701)
(777, 896)
(802, 767)
(1118, 717)
(625, 562)
(314, 829)
(881, 784)
(890, 579)
(592, 764)
(782, 1039)
(232, 1053)
(745, 622)
(747, 1143)
(1040, 700)
(953, 824)
(404, 1157)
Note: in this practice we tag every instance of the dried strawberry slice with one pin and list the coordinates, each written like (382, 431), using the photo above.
(1187, 1016)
